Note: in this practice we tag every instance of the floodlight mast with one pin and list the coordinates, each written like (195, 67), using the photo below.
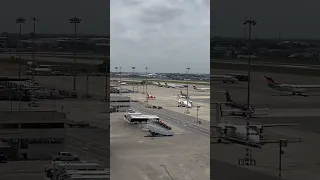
(250, 23)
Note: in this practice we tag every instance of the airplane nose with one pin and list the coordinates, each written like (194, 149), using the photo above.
(255, 140)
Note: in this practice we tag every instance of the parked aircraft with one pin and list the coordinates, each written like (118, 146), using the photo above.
(182, 95)
(224, 79)
(238, 133)
(174, 85)
(201, 89)
(293, 88)
(184, 103)
(240, 77)
(159, 84)
(240, 108)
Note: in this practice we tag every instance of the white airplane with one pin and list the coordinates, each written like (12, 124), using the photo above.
(184, 103)
(293, 88)
(238, 133)
(224, 79)
(201, 89)
(159, 84)
(183, 95)
(123, 83)
(241, 108)
(174, 85)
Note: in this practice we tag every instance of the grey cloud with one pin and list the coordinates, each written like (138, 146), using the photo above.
(160, 14)
(170, 32)
(132, 2)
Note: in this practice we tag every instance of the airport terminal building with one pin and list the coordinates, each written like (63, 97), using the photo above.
(32, 134)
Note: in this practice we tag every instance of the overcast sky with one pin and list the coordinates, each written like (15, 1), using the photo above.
(165, 35)
(290, 18)
(54, 15)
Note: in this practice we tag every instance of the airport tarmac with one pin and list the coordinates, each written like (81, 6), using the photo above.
(165, 97)
(171, 103)
(142, 157)
(300, 160)
(218, 165)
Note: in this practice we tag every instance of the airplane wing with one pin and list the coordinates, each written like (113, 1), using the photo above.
(222, 127)
(277, 141)
(261, 109)
(278, 125)
(271, 125)
(233, 110)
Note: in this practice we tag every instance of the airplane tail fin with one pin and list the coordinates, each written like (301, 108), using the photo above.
(228, 97)
(219, 115)
(270, 80)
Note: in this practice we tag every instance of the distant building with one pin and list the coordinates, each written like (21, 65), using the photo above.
(120, 103)
(35, 134)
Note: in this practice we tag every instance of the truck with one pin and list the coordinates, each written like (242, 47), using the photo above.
(64, 156)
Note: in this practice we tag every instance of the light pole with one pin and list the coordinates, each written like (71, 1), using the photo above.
(120, 80)
(116, 68)
(120, 74)
(187, 72)
(20, 21)
(146, 80)
(107, 85)
(133, 68)
(75, 21)
(198, 107)
(250, 23)
(35, 20)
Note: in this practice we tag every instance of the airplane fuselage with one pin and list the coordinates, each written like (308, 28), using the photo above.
(184, 103)
(241, 106)
(240, 134)
(224, 79)
(295, 88)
